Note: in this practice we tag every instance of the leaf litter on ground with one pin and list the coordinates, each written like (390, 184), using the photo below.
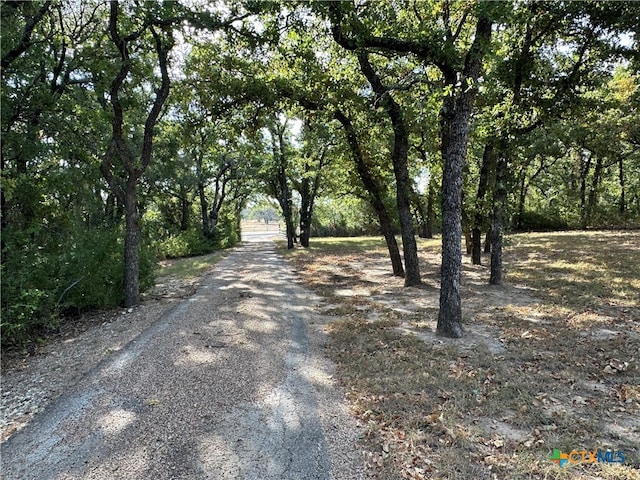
(548, 360)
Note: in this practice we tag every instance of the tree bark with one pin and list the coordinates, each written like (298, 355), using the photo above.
(479, 218)
(204, 208)
(455, 117)
(497, 226)
(585, 166)
(593, 193)
(622, 205)
(131, 245)
(400, 170)
(375, 193)
(202, 196)
(308, 193)
(185, 209)
(522, 198)
(454, 137)
(305, 215)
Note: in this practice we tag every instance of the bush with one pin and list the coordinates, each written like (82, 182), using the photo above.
(348, 217)
(185, 244)
(541, 222)
(29, 311)
(82, 270)
(227, 232)
(93, 272)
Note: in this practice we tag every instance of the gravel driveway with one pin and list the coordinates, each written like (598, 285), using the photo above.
(230, 383)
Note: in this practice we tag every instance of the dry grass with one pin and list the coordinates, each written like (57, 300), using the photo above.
(189, 268)
(549, 361)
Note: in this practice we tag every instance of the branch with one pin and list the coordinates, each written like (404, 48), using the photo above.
(25, 41)
(114, 88)
(422, 49)
(161, 96)
(389, 103)
(460, 25)
(105, 169)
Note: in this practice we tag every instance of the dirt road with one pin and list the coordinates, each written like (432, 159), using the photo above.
(230, 383)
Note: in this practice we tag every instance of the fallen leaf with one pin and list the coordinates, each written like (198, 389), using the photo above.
(498, 443)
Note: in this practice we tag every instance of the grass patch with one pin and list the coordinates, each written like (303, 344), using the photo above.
(549, 361)
(578, 269)
(189, 267)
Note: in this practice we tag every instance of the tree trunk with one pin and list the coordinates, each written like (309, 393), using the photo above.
(281, 184)
(290, 229)
(466, 227)
(202, 196)
(430, 214)
(524, 187)
(285, 204)
(185, 208)
(622, 205)
(585, 166)
(308, 192)
(454, 137)
(400, 170)
(497, 228)
(375, 193)
(455, 117)
(421, 214)
(476, 245)
(487, 241)
(204, 207)
(306, 211)
(593, 193)
(131, 246)
(479, 218)
(305, 214)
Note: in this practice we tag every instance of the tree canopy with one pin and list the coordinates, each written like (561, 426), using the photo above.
(133, 131)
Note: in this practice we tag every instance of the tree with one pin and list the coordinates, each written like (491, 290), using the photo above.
(123, 145)
(374, 190)
(279, 181)
(400, 168)
(460, 68)
(554, 53)
(315, 155)
(400, 144)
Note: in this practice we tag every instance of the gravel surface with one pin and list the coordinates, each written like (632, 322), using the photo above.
(230, 383)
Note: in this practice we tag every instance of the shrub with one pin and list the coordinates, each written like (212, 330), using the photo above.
(349, 217)
(93, 271)
(185, 244)
(227, 232)
(540, 222)
(82, 269)
(29, 311)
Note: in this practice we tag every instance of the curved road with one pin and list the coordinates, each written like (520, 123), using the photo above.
(229, 384)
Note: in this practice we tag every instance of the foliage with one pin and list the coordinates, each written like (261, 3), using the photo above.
(82, 271)
(187, 243)
(346, 217)
(532, 221)
(558, 95)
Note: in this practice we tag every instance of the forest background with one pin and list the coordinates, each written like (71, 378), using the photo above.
(137, 131)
